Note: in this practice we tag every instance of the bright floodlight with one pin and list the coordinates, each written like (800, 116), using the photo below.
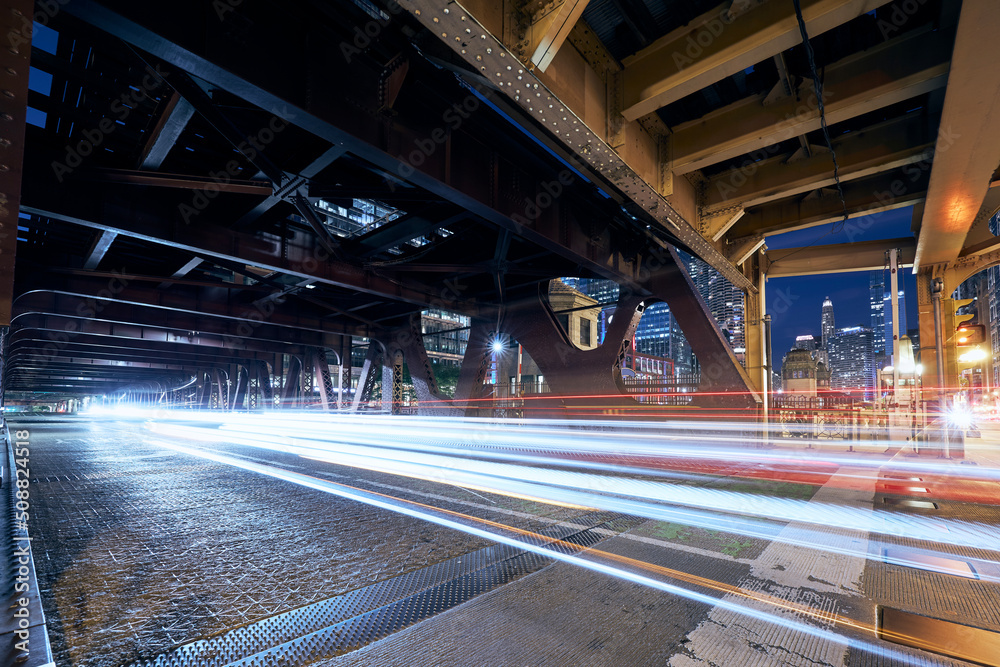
(960, 417)
(498, 346)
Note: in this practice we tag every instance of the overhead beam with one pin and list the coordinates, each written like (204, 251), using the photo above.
(462, 171)
(168, 130)
(99, 247)
(717, 45)
(188, 267)
(402, 229)
(837, 258)
(294, 184)
(125, 321)
(153, 348)
(883, 147)
(180, 80)
(182, 181)
(252, 308)
(573, 108)
(551, 28)
(900, 69)
(864, 197)
(968, 147)
(301, 254)
(135, 310)
(130, 354)
(27, 360)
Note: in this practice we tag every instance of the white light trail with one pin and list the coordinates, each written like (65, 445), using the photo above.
(755, 514)
(410, 509)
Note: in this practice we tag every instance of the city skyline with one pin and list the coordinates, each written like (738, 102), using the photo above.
(795, 304)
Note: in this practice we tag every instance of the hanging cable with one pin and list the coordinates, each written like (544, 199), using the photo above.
(838, 226)
(818, 88)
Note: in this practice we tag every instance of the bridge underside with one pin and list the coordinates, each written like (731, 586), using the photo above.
(242, 194)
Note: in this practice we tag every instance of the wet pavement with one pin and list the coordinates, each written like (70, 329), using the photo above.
(139, 548)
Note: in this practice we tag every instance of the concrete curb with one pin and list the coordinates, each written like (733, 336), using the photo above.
(24, 637)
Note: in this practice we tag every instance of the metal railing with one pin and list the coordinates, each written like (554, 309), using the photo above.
(679, 390)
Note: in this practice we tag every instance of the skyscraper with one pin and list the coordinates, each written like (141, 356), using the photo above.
(827, 331)
(658, 333)
(876, 302)
(852, 364)
(881, 313)
(724, 300)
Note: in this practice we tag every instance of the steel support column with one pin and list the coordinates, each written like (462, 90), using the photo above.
(366, 383)
(586, 379)
(754, 329)
(321, 372)
(16, 25)
(392, 381)
(408, 340)
(240, 395)
(475, 365)
(290, 388)
(724, 382)
(344, 379)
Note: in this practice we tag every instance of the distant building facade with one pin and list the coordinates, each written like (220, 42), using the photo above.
(658, 333)
(802, 376)
(852, 362)
(578, 314)
(807, 342)
(446, 335)
(724, 300)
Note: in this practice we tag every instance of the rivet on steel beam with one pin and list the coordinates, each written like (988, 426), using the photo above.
(11, 71)
(4, 142)
(8, 94)
(4, 168)
(13, 49)
(6, 116)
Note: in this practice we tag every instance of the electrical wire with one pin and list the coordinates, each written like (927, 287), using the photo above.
(818, 88)
(838, 226)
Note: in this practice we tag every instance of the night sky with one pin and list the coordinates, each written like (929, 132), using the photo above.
(795, 304)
